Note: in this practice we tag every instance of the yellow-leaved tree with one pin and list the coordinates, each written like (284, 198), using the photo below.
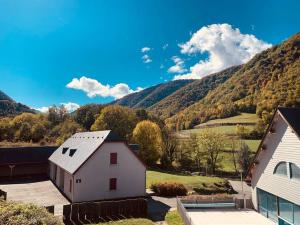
(121, 120)
(149, 137)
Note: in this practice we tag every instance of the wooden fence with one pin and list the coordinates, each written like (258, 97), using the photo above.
(95, 212)
(187, 220)
(201, 202)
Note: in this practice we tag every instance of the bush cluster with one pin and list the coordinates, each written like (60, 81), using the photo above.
(169, 189)
(12, 213)
(215, 188)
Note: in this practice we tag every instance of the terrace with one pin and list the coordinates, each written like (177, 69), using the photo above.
(218, 211)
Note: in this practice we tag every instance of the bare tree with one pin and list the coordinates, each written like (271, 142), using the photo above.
(244, 158)
(196, 150)
(233, 151)
(169, 150)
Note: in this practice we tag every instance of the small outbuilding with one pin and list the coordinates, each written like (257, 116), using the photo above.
(275, 171)
(24, 162)
(93, 166)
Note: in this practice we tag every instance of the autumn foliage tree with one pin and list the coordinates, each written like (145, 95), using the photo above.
(121, 120)
(148, 135)
(87, 114)
(211, 143)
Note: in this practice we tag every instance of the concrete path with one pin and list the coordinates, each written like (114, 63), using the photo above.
(237, 186)
(42, 193)
(170, 202)
(228, 217)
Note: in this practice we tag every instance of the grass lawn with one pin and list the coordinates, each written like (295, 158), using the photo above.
(226, 130)
(188, 181)
(253, 144)
(173, 218)
(229, 132)
(243, 118)
(129, 222)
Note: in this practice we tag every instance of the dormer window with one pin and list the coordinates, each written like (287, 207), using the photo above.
(72, 152)
(294, 171)
(64, 150)
(281, 169)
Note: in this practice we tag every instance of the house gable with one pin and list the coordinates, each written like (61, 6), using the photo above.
(78, 148)
(95, 174)
(280, 145)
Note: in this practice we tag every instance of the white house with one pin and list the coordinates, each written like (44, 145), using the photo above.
(93, 166)
(275, 172)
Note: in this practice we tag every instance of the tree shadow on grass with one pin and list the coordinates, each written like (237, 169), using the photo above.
(157, 210)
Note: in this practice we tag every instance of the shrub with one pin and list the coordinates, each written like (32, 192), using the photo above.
(169, 189)
(12, 213)
(215, 188)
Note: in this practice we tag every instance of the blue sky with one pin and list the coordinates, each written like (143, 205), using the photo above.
(54, 52)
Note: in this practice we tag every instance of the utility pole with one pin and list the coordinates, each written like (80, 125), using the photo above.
(244, 199)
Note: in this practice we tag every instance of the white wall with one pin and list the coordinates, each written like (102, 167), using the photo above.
(96, 172)
(67, 178)
(52, 171)
(58, 174)
(283, 145)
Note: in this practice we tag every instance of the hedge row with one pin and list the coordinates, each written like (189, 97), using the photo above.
(169, 189)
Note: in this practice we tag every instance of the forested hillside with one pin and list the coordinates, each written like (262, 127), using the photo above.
(8, 107)
(270, 79)
(190, 93)
(151, 95)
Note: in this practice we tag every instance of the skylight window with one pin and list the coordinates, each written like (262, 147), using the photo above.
(64, 150)
(72, 152)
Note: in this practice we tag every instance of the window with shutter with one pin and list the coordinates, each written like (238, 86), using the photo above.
(113, 158)
(113, 184)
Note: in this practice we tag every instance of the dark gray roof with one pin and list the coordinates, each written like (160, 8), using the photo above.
(292, 116)
(134, 147)
(78, 148)
(25, 155)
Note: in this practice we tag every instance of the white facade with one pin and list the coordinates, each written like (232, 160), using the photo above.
(91, 180)
(281, 146)
(95, 175)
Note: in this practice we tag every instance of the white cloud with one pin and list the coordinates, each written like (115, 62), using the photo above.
(226, 46)
(70, 107)
(146, 59)
(178, 67)
(145, 49)
(94, 88)
(43, 109)
(165, 46)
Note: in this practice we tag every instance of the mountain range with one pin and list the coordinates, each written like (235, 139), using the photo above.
(8, 107)
(269, 79)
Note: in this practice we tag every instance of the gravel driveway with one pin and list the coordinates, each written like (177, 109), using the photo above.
(43, 193)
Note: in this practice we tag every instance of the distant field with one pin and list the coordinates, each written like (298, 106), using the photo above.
(229, 132)
(189, 182)
(253, 144)
(243, 118)
(226, 130)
